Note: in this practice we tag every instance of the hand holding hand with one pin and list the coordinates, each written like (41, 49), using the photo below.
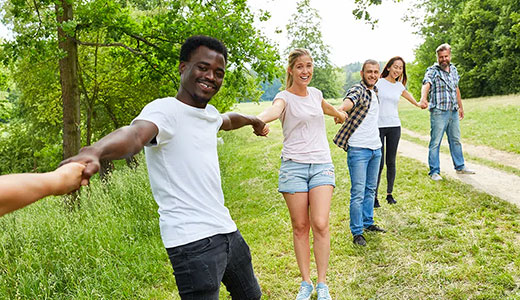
(89, 158)
(68, 178)
(260, 128)
(341, 119)
(423, 104)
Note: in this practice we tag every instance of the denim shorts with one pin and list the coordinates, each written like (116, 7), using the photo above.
(297, 177)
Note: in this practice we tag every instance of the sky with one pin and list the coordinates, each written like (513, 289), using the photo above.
(350, 40)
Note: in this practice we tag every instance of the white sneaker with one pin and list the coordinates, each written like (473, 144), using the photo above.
(465, 171)
(436, 177)
(305, 291)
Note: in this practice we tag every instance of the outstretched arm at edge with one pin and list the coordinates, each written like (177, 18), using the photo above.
(19, 190)
(123, 142)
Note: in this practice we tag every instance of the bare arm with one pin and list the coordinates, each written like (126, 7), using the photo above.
(231, 121)
(347, 105)
(424, 95)
(123, 142)
(459, 101)
(410, 98)
(273, 112)
(19, 190)
(339, 116)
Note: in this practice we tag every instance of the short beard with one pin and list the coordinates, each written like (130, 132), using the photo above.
(368, 85)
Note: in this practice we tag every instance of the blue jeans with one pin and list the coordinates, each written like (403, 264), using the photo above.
(363, 166)
(444, 121)
(200, 266)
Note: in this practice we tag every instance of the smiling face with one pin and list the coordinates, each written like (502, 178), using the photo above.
(396, 69)
(201, 76)
(370, 74)
(301, 71)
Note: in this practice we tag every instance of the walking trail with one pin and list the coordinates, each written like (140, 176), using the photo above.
(492, 181)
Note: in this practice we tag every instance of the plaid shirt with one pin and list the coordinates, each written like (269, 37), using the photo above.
(443, 87)
(361, 96)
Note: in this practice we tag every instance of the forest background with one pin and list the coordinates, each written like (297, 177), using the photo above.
(76, 70)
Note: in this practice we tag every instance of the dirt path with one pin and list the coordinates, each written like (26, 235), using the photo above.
(494, 182)
(498, 156)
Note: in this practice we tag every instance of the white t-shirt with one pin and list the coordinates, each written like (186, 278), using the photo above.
(389, 94)
(184, 171)
(367, 134)
(305, 138)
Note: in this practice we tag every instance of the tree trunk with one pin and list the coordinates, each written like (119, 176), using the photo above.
(69, 82)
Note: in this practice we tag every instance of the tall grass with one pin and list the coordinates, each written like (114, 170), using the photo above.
(444, 240)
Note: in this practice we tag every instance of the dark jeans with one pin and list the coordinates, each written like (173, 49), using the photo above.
(391, 136)
(200, 266)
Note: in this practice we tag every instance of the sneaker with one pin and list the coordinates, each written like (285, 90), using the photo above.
(305, 291)
(323, 291)
(436, 177)
(359, 239)
(390, 199)
(375, 228)
(465, 171)
(376, 203)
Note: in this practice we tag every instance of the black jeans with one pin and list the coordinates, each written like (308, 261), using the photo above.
(200, 266)
(391, 136)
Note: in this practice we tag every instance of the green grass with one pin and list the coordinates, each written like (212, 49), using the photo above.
(444, 240)
(489, 121)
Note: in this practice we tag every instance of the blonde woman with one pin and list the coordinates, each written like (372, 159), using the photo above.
(306, 177)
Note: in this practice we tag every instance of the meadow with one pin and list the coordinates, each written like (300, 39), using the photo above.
(444, 240)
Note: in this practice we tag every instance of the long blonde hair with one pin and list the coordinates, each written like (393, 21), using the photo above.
(293, 56)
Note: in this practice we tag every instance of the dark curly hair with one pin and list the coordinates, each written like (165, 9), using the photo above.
(192, 43)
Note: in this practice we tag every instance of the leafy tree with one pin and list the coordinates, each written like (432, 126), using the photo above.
(127, 55)
(484, 35)
(304, 31)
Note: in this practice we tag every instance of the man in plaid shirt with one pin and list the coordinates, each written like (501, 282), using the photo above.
(359, 136)
(441, 84)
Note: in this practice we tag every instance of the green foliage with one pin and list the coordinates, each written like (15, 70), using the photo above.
(128, 55)
(484, 37)
(304, 31)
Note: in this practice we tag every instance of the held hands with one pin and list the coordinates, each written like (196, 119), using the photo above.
(341, 118)
(68, 178)
(260, 128)
(423, 104)
(89, 158)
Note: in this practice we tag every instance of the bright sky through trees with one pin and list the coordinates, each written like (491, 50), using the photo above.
(350, 40)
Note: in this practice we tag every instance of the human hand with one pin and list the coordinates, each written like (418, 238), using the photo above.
(67, 178)
(461, 114)
(423, 104)
(341, 119)
(260, 128)
(89, 157)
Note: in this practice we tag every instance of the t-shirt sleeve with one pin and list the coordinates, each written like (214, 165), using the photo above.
(281, 95)
(401, 86)
(428, 76)
(155, 113)
(353, 94)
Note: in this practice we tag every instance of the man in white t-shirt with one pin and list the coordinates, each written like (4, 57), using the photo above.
(180, 139)
(359, 136)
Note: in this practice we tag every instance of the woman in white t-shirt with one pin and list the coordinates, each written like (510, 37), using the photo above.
(306, 177)
(391, 87)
